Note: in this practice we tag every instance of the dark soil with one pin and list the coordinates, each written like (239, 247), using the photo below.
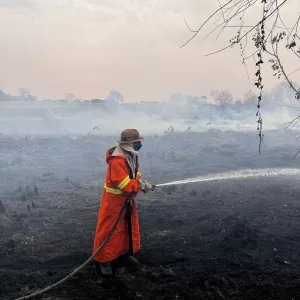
(237, 239)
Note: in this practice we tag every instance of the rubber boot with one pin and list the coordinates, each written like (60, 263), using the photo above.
(133, 265)
(130, 261)
(106, 270)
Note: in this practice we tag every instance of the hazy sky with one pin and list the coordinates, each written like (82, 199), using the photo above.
(89, 47)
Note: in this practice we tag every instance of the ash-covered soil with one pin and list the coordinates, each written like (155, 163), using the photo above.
(227, 239)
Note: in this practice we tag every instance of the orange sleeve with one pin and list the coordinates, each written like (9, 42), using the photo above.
(120, 177)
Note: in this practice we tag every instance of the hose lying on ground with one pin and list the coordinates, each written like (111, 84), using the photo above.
(51, 287)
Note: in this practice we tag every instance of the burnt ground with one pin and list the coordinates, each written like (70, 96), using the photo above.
(227, 239)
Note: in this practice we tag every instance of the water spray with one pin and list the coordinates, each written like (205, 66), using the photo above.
(243, 174)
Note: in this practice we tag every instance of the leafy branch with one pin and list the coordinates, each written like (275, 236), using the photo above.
(270, 31)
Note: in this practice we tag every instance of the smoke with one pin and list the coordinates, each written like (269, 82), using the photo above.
(40, 119)
(182, 112)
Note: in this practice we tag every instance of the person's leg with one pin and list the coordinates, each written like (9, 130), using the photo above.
(106, 269)
(130, 261)
(103, 269)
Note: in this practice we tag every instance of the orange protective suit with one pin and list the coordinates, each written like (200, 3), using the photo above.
(120, 184)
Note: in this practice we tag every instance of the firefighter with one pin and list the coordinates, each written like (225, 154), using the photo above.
(122, 184)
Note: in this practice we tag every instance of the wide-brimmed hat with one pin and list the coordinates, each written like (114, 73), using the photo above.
(130, 136)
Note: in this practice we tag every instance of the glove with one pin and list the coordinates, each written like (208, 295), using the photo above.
(146, 186)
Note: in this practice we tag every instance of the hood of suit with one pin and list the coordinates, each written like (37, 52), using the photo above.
(120, 151)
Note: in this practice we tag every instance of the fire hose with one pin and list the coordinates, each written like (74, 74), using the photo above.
(51, 287)
(221, 176)
(242, 174)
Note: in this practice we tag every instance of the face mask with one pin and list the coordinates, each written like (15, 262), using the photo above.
(137, 146)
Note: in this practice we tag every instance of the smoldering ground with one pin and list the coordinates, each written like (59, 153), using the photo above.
(221, 239)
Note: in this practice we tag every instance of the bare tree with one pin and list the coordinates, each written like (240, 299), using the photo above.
(250, 98)
(23, 92)
(222, 98)
(26, 95)
(115, 97)
(270, 38)
(69, 96)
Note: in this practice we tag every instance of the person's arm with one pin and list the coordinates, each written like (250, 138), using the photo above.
(138, 174)
(120, 178)
(145, 186)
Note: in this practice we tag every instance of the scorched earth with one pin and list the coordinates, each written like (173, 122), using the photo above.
(224, 239)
